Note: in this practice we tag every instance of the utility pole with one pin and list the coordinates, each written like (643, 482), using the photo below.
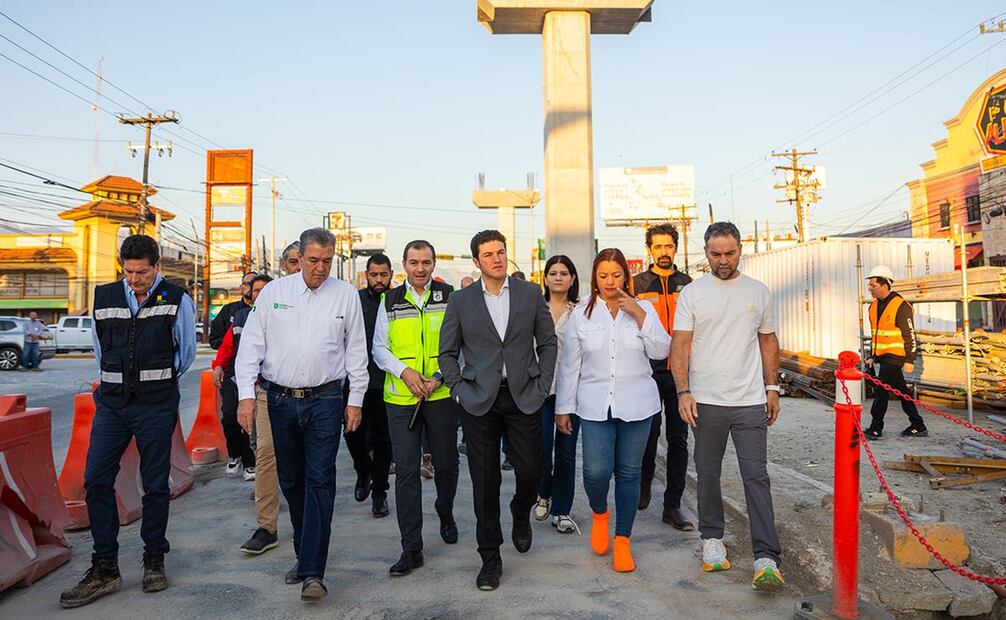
(801, 187)
(272, 190)
(148, 121)
(999, 27)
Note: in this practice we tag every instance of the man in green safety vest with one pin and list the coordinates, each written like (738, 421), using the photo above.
(407, 347)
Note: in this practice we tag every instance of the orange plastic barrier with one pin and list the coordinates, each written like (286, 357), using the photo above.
(206, 430)
(32, 515)
(128, 483)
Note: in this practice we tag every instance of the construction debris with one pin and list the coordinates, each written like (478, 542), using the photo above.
(972, 470)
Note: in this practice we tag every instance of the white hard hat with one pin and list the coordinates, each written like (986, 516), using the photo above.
(881, 271)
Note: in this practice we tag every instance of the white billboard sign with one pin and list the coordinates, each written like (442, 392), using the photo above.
(648, 193)
(370, 239)
(227, 248)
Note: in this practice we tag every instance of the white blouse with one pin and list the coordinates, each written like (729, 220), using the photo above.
(606, 364)
(560, 335)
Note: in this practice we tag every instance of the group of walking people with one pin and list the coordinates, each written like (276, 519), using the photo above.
(308, 358)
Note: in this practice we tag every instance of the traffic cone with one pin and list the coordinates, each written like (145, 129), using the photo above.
(206, 435)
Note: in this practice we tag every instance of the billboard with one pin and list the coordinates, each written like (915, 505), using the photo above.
(648, 193)
(227, 250)
(370, 240)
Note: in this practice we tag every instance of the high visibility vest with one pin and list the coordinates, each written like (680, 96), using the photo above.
(887, 338)
(414, 338)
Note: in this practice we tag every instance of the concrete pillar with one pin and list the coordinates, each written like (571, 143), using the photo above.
(507, 224)
(569, 144)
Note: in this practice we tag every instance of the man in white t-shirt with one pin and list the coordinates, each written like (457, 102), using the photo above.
(724, 358)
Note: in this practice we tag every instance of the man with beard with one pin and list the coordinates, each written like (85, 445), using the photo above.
(724, 357)
(372, 471)
(239, 447)
(661, 284)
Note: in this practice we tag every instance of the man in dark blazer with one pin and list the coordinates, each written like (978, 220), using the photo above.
(503, 331)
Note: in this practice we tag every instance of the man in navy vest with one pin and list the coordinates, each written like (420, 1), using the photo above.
(144, 340)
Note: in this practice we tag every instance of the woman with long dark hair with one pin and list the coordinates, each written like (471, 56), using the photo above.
(555, 495)
(605, 379)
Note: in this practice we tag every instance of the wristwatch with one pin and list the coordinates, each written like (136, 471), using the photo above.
(439, 376)
(772, 388)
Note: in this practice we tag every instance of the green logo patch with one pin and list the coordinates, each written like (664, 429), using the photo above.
(279, 306)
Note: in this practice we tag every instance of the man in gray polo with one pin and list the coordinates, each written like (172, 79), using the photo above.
(724, 358)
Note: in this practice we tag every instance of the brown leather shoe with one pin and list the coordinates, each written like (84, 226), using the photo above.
(674, 518)
(644, 493)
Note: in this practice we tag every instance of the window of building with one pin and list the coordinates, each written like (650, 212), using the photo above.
(974, 208)
(945, 215)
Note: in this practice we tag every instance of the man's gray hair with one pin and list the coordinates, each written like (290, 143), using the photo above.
(318, 236)
(290, 248)
(722, 229)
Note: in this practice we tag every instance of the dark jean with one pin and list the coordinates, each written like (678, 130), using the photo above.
(32, 355)
(893, 375)
(372, 437)
(238, 442)
(677, 443)
(559, 477)
(305, 435)
(614, 447)
(111, 431)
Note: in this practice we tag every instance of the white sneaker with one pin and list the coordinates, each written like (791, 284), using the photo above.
(233, 467)
(564, 524)
(767, 576)
(714, 555)
(541, 508)
(249, 474)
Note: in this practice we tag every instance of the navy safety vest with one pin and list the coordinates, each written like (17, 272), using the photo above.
(137, 352)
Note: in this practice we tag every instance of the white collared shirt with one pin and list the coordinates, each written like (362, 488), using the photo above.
(499, 309)
(606, 364)
(383, 356)
(302, 338)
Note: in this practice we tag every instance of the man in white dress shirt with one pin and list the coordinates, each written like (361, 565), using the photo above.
(304, 338)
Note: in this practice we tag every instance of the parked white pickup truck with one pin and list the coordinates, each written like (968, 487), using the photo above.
(73, 333)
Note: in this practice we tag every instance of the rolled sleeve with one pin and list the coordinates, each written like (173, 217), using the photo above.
(383, 356)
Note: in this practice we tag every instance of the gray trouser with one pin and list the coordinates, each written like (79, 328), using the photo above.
(440, 419)
(747, 426)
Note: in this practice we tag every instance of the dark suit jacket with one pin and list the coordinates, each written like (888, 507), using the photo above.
(529, 349)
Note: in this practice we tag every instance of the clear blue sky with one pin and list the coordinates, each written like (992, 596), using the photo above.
(400, 103)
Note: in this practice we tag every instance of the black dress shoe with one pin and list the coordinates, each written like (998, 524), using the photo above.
(449, 531)
(313, 589)
(410, 561)
(380, 508)
(644, 494)
(914, 431)
(874, 434)
(362, 490)
(291, 575)
(521, 535)
(489, 576)
(674, 518)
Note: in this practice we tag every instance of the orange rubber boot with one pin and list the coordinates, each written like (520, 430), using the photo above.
(622, 555)
(600, 541)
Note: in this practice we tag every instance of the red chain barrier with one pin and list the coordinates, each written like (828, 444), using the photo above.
(931, 409)
(963, 572)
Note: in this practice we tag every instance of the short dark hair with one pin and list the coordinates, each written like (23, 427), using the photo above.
(249, 273)
(486, 236)
(574, 289)
(135, 247)
(722, 229)
(379, 259)
(262, 277)
(418, 244)
(661, 229)
(520, 275)
(286, 252)
(318, 236)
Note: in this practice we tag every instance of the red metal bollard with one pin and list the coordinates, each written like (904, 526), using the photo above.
(844, 599)
(845, 523)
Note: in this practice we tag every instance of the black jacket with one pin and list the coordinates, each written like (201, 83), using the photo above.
(370, 304)
(223, 320)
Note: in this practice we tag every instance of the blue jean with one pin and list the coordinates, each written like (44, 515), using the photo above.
(614, 447)
(305, 436)
(32, 355)
(111, 431)
(559, 477)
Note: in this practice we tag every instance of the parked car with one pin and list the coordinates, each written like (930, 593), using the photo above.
(73, 333)
(12, 343)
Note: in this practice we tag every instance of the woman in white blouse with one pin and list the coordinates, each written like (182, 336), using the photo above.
(555, 495)
(605, 380)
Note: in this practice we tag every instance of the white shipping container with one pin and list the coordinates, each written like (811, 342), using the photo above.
(815, 287)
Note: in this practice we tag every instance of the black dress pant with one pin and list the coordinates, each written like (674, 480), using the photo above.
(892, 375)
(483, 435)
(677, 443)
(372, 435)
(238, 442)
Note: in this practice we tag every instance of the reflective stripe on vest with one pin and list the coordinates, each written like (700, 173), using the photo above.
(111, 377)
(887, 338)
(165, 310)
(414, 338)
(112, 313)
(158, 374)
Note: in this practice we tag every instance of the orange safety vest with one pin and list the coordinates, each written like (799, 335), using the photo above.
(887, 338)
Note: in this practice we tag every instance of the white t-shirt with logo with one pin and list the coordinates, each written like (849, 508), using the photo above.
(725, 318)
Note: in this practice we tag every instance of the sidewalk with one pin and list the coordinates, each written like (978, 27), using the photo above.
(559, 577)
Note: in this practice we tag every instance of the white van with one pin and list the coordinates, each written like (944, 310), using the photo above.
(73, 333)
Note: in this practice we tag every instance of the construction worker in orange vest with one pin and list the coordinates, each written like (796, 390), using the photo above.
(892, 349)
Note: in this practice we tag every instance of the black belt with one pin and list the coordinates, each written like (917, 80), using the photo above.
(311, 392)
